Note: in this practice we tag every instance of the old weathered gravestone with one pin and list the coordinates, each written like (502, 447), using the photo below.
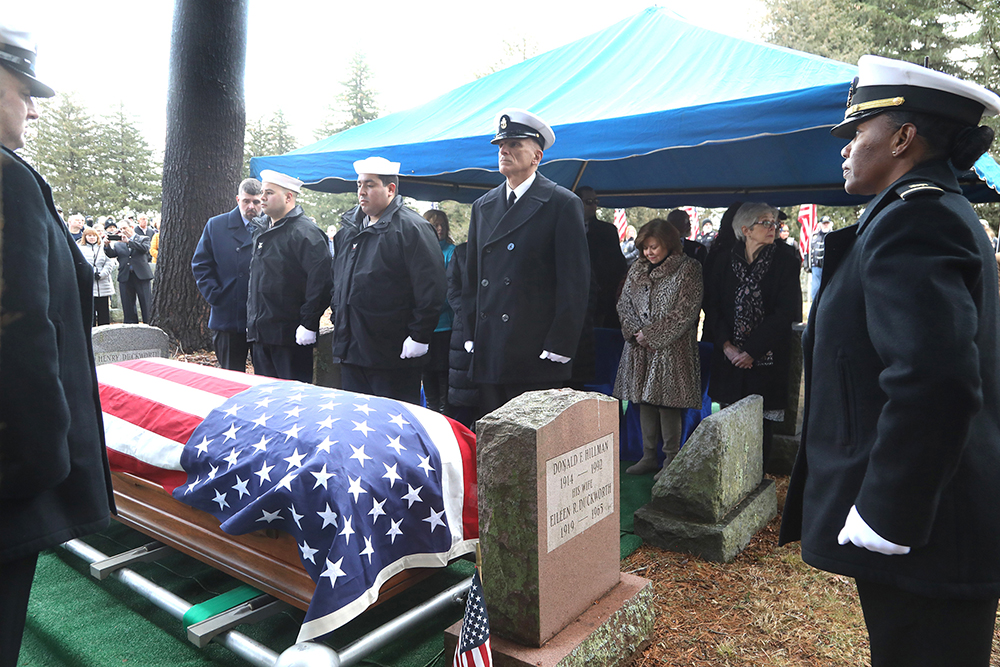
(713, 497)
(549, 529)
(121, 342)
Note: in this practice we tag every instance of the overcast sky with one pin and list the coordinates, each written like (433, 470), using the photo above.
(111, 51)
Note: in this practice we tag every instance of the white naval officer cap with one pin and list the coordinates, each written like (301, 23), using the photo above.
(376, 165)
(522, 124)
(18, 53)
(283, 180)
(884, 84)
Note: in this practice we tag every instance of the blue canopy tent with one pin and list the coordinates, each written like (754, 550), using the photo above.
(652, 111)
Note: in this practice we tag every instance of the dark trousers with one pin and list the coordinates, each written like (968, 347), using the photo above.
(909, 630)
(15, 588)
(492, 396)
(288, 362)
(231, 349)
(133, 289)
(401, 384)
(102, 310)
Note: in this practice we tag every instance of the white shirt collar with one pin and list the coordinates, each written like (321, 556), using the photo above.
(522, 188)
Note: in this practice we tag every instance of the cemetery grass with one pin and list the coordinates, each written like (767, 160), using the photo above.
(766, 608)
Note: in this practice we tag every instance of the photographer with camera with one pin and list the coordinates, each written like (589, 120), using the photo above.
(90, 245)
(135, 276)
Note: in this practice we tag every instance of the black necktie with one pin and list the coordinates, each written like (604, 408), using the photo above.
(510, 200)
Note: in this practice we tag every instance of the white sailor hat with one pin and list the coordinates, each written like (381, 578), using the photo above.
(884, 85)
(283, 180)
(378, 166)
(521, 124)
(18, 53)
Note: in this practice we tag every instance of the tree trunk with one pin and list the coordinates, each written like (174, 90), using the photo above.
(206, 118)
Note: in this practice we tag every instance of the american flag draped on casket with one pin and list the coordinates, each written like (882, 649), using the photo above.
(367, 486)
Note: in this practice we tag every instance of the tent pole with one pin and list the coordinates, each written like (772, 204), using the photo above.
(579, 175)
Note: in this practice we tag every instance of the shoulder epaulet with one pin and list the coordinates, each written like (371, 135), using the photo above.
(908, 190)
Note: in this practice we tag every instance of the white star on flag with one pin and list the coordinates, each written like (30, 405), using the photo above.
(221, 499)
(264, 473)
(286, 481)
(435, 519)
(327, 423)
(264, 402)
(359, 454)
(261, 421)
(394, 530)
(412, 495)
(261, 445)
(326, 444)
(329, 517)
(202, 447)
(398, 420)
(354, 488)
(295, 460)
(348, 530)
(231, 412)
(376, 510)
(241, 486)
(425, 463)
(294, 412)
(293, 432)
(232, 458)
(307, 552)
(362, 426)
(270, 516)
(296, 516)
(363, 408)
(368, 550)
(394, 444)
(231, 433)
(333, 571)
(322, 476)
(391, 474)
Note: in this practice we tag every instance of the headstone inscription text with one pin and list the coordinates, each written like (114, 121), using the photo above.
(579, 489)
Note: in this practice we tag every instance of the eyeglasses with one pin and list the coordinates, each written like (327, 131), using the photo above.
(765, 223)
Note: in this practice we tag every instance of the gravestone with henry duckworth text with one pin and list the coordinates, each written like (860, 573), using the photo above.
(713, 497)
(549, 529)
(121, 342)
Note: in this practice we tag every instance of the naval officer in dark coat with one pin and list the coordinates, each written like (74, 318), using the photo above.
(897, 481)
(54, 479)
(527, 277)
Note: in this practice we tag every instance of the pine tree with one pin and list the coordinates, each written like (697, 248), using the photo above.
(357, 103)
(267, 137)
(133, 175)
(66, 149)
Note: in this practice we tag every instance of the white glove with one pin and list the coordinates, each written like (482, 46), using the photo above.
(860, 534)
(469, 346)
(413, 349)
(552, 356)
(304, 337)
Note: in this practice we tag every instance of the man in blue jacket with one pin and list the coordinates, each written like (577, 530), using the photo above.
(221, 267)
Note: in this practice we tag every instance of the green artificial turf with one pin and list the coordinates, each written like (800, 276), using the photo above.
(77, 621)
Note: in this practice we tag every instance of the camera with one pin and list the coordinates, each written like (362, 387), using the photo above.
(114, 237)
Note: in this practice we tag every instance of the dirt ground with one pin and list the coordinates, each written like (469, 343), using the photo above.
(765, 608)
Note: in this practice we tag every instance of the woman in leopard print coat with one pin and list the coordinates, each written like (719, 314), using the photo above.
(659, 368)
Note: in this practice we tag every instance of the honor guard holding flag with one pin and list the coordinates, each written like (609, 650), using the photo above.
(527, 277)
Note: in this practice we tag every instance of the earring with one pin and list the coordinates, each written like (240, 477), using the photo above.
(894, 153)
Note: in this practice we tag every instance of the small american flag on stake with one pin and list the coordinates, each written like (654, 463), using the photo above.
(473, 648)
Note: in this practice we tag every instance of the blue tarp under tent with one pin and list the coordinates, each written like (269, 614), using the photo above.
(652, 111)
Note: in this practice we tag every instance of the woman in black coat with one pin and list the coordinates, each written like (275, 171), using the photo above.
(897, 481)
(752, 296)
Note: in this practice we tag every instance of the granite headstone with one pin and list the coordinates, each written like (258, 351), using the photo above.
(121, 342)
